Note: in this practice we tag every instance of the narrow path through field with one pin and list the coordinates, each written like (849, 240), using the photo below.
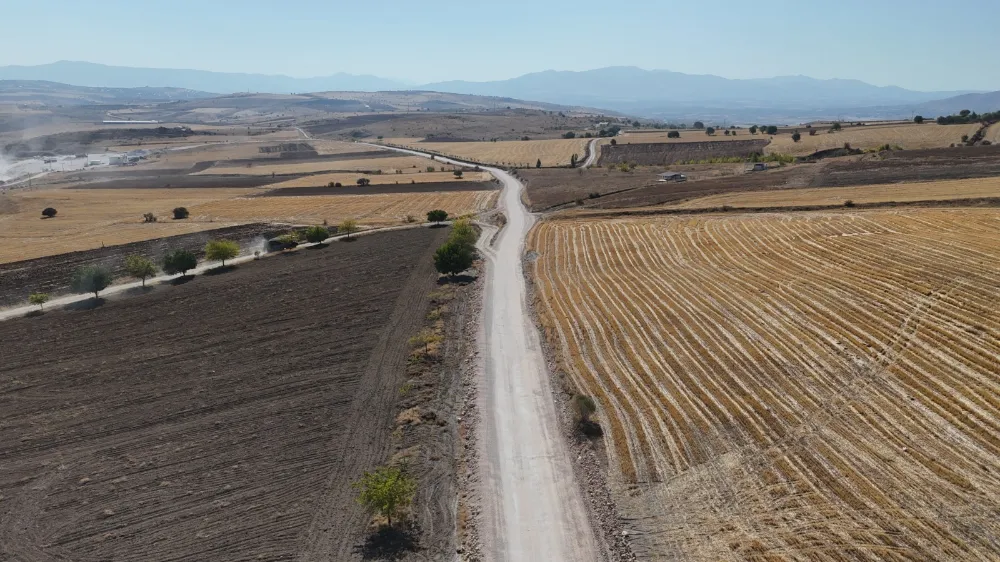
(534, 508)
(591, 153)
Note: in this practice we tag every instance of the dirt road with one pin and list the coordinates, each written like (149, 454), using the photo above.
(591, 154)
(534, 508)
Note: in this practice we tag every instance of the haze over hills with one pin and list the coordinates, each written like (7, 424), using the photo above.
(650, 93)
(22, 91)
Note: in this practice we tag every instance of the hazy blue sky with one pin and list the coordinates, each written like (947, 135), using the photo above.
(919, 44)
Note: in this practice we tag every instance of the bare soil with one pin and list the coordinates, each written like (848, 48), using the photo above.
(52, 274)
(220, 419)
(404, 186)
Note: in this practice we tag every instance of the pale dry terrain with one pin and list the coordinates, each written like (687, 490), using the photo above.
(90, 218)
(389, 165)
(368, 210)
(917, 191)
(910, 137)
(552, 152)
(687, 135)
(350, 179)
(816, 386)
(993, 133)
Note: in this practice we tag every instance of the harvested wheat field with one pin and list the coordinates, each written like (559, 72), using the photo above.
(375, 209)
(347, 178)
(390, 165)
(817, 386)
(901, 192)
(92, 218)
(993, 133)
(553, 152)
(912, 136)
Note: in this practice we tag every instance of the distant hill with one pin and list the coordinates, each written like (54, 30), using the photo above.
(980, 103)
(34, 91)
(662, 92)
(100, 75)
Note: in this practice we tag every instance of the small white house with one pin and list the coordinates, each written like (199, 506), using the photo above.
(116, 159)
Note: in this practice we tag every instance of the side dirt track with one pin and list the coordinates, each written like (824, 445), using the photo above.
(52, 274)
(220, 419)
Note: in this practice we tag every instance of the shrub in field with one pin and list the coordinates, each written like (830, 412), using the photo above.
(538, 164)
(918, 119)
(453, 258)
(317, 234)
(348, 227)
(363, 181)
(772, 130)
(572, 160)
(753, 130)
(674, 135)
(613, 142)
(796, 136)
(457, 174)
(812, 132)
(437, 216)
(835, 127)
(463, 233)
(849, 203)
(387, 490)
(569, 135)
(90, 279)
(140, 267)
(429, 168)
(424, 339)
(583, 407)
(221, 250)
(148, 217)
(699, 125)
(180, 213)
(39, 298)
(710, 131)
(49, 212)
(179, 261)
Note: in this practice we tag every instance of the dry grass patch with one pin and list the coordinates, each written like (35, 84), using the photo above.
(90, 218)
(807, 386)
(553, 152)
(375, 209)
(924, 191)
(912, 136)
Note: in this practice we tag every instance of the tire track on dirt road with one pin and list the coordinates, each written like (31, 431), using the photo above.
(534, 507)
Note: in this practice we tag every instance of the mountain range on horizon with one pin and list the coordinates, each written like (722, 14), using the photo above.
(648, 93)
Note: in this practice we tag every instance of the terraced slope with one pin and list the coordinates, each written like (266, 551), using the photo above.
(804, 387)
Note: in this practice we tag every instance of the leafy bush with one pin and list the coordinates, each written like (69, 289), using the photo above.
(180, 213)
(457, 174)
(699, 125)
(148, 217)
(317, 234)
(753, 129)
(437, 216)
(49, 212)
(538, 164)
(583, 407)
(348, 227)
(918, 119)
(221, 250)
(569, 135)
(430, 168)
(849, 203)
(39, 298)
(363, 181)
(772, 130)
(179, 261)
(710, 131)
(674, 135)
(796, 136)
(463, 233)
(453, 258)
(90, 279)
(140, 267)
(387, 491)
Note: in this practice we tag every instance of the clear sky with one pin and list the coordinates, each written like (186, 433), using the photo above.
(918, 44)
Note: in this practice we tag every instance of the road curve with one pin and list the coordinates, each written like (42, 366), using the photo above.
(534, 509)
(592, 154)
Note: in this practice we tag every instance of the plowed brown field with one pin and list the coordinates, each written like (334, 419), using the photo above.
(818, 386)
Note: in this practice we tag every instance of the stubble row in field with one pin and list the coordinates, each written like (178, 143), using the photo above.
(900, 192)
(386, 165)
(552, 152)
(910, 137)
(810, 386)
(347, 178)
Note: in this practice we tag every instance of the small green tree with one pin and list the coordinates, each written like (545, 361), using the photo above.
(363, 181)
(463, 233)
(317, 234)
(453, 258)
(457, 174)
(49, 212)
(835, 127)
(613, 142)
(387, 490)
(348, 227)
(710, 131)
(90, 279)
(965, 138)
(919, 119)
(424, 339)
(674, 135)
(39, 298)
(437, 216)
(140, 267)
(753, 129)
(430, 168)
(772, 130)
(699, 125)
(179, 261)
(538, 164)
(569, 135)
(796, 136)
(572, 161)
(221, 250)
(180, 213)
